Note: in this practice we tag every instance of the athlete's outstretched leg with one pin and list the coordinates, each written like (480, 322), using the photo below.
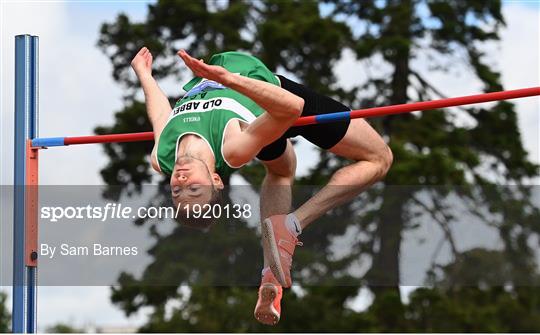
(275, 198)
(372, 159)
(276, 186)
(355, 140)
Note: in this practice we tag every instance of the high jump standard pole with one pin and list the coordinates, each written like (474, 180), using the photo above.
(25, 185)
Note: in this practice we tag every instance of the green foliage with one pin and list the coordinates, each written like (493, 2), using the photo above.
(63, 328)
(470, 309)
(442, 158)
(5, 316)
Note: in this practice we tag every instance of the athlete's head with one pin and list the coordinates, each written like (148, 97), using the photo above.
(193, 185)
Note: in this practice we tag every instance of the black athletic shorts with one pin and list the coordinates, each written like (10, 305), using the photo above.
(324, 135)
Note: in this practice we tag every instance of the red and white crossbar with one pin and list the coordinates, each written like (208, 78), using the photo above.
(315, 119)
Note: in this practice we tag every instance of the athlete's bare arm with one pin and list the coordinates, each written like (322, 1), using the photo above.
(157, 104)
(282, 109)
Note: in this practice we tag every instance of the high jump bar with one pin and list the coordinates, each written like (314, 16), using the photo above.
(314, 119)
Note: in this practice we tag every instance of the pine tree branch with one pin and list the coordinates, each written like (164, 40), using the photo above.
(442, 223)
(435, 90)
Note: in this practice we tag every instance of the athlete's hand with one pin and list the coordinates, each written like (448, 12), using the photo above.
(142, 63)
(203, 70)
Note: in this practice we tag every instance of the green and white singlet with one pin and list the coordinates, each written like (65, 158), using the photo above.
(207, 108)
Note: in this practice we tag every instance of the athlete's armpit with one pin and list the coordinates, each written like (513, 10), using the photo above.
(154, 159)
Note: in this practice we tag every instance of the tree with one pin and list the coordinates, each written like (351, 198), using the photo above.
(5, 316)
(63, 328)
(431, 151)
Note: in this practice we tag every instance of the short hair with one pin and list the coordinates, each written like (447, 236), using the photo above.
(200, 222)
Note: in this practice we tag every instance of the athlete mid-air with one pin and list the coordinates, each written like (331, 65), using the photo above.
(235, 110)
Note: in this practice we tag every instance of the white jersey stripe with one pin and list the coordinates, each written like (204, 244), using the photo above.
(204, 106)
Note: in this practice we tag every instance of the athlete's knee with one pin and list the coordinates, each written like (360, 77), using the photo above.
(284, 175)
(383, 160)
(283, 168)
(279, 180)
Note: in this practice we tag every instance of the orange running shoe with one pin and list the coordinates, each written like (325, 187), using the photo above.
(279, 244)
(268, 309)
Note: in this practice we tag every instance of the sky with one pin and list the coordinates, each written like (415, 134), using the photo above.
(77, 93)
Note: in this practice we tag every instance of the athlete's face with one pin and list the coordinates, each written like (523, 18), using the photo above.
(191, 182)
